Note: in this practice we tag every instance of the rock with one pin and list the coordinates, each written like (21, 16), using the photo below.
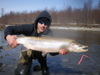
(1, 67)
(1, 64)
(1, 47)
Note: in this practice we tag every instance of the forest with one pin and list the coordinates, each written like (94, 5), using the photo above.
(86, 16)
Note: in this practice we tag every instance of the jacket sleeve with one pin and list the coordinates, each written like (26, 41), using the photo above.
(17, 30)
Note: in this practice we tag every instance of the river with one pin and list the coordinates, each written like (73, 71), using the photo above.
(61, 64)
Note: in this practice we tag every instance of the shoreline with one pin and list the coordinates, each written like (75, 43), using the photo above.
(75, 28)
(70, 28)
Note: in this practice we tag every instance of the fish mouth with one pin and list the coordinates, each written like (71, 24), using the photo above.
(78, 49)
(85, 47)
(83, 50)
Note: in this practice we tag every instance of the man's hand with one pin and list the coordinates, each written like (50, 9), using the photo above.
(63, 52)
(11, 39)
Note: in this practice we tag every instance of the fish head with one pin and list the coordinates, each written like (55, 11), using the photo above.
(77, 48)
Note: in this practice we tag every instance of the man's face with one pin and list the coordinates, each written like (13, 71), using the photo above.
(41, 27)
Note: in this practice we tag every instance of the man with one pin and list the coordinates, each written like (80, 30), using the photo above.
(41, 24)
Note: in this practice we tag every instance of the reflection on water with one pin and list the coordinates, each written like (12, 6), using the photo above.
(90, 38)
(63, 64)
(87, 37)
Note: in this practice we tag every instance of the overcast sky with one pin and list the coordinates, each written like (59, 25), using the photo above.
(33, 5)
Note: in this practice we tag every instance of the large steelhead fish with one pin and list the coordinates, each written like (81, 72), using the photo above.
(51, 45)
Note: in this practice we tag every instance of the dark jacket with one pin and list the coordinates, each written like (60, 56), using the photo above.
(28, 29)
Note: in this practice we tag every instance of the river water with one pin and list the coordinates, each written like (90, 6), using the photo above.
(61, 64)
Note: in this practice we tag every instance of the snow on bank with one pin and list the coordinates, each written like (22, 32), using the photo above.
(75, 28)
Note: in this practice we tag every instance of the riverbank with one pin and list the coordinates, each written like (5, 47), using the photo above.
(75, 28)
(71, 28)
(91, 27)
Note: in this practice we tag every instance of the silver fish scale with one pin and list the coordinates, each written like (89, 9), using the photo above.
(49, 44)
